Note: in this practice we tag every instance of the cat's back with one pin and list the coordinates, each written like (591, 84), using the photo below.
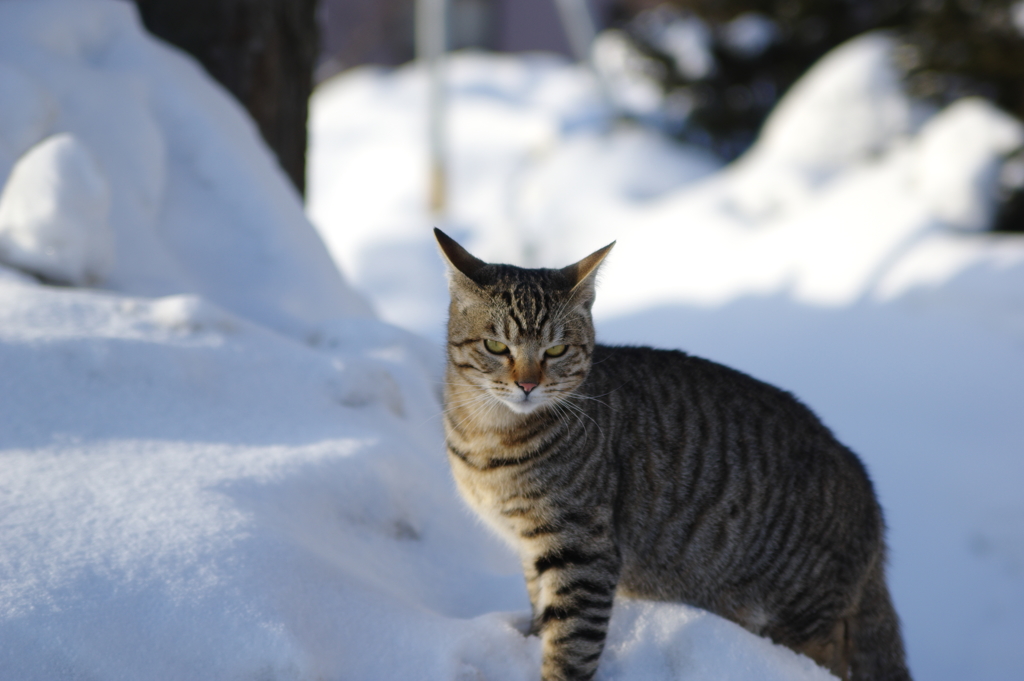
(683, 395)
(715, 468)
(673, 405)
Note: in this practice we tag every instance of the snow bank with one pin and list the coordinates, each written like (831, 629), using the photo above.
(190, 495)
(212, 500)
(197, 204)
(187, 492)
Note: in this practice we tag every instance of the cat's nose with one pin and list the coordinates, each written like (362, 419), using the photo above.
(527, 387)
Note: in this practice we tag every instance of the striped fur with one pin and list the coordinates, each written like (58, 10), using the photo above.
(655, 475)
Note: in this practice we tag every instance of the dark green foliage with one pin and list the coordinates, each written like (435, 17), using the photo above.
(1010, 215)
(966, 47)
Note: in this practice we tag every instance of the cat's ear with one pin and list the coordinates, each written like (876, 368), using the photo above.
(582, 275)
(458, 257)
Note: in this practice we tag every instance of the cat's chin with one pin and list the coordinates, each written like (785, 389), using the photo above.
(524, 406)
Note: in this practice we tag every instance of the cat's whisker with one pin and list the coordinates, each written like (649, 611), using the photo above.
(580, 412)
(489, 401)
(592, 398)
(452, 405)
(562, 410)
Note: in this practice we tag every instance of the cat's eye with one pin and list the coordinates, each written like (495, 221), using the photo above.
(497, 347)
(556, 350)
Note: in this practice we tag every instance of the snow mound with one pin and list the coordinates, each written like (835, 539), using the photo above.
(847, 108)
(214, 500)
(197, 203)
(838, 215)
(54, 214)
(979, 136)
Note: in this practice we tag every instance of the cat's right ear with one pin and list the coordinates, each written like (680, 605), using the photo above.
(460, 260)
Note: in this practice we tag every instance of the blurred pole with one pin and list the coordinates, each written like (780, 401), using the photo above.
(579, 26)
(431, 44)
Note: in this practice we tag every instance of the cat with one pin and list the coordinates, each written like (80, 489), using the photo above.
(655, 475)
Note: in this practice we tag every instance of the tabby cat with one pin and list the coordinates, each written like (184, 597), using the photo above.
(655, 475)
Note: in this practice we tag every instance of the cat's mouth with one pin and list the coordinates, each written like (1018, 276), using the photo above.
(524, 403)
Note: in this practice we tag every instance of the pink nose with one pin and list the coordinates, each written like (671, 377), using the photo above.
(527, 387)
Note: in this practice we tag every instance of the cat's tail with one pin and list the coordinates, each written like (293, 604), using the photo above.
(877, 651)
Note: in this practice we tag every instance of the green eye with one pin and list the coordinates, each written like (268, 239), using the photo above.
(496, 347)
(556, 351)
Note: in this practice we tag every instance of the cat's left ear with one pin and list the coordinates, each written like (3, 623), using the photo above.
(583, 274)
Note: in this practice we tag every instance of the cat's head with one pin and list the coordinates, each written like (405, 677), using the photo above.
(524, 336)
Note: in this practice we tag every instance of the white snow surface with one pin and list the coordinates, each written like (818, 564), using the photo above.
(54, 214)
(220, 466)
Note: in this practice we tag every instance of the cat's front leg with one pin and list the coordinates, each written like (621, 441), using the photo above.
(572, 585)
(533, 591)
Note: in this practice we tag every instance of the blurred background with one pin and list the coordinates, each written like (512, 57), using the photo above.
(705, 71)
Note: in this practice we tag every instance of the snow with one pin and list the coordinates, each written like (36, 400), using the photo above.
(54, 214)
(631, 77)
(218, 464)
(29, 112)
(979, 137)
(846, 109)
(196, 203)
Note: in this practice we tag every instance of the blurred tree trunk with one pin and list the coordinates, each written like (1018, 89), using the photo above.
(263, 51)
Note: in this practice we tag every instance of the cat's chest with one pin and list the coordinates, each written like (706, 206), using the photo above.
(505, 499)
